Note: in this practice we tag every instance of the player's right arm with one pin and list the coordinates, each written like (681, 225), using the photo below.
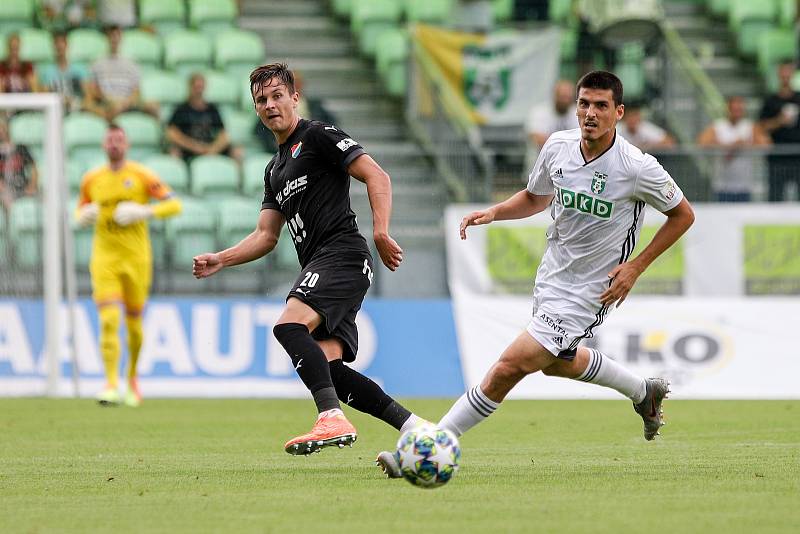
(523, 204)
(256, 245)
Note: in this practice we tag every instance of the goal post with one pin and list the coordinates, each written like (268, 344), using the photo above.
(56, 248)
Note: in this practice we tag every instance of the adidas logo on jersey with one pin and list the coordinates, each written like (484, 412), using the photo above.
(602, 209)
(291, 187)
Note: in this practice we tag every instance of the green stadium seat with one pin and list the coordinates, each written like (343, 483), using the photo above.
(25, 232)
(246, 97)
(36, 45)
(164, 15)
(86, 45)
(191, 232)
(720, 8)
(75, 171)
(560, 11)
(253, 174)
(773, 47)
(221, 89)
(83, 134)
(142, 47)
(369, 18)
(172, 171)
(391, 55)
(186, 52)
(285, 253)
(212, 16)
(239, 126)
(163, 87)
(502, 10)
(342, 8)
(569, 44)
(90, 158)
(16, 15)
(787, 13)
(214, 175)
(238, 52)
(237, 219)
(82, 237)
(143, 131)
(428, 11)
(749, 20)
(27, 128)
(158, 242)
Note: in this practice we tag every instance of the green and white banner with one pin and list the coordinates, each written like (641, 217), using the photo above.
(499, 76)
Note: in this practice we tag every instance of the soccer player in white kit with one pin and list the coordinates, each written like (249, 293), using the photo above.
(596, 185)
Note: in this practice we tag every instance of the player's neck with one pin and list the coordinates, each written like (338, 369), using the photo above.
(116, 165)
(592, 148)
(281, 137)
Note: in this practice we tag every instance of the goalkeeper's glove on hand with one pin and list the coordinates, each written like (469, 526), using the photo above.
(87, 214)
(131, 212)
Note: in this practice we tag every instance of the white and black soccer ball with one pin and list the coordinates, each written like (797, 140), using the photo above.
(428, 456)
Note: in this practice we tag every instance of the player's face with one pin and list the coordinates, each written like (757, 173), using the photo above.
(115, 144)
(597, 114)
(276, 106)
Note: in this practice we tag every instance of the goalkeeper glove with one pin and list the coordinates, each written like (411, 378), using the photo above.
(87, 214)
(130, 212)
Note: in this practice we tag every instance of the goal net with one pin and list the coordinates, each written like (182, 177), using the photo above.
(37, 277)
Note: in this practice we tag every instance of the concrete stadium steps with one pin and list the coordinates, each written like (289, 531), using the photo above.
(306, 35)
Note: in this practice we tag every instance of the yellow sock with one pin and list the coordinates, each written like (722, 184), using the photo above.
(135, 336)
(109, 342)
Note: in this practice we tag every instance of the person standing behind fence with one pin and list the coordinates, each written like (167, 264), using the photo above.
(733, 179)
(115, 199)
(545, 119)
(781, 120)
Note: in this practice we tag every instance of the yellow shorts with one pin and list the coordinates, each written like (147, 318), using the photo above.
(126, 281)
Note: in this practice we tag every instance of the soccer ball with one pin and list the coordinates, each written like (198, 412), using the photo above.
(428, 456)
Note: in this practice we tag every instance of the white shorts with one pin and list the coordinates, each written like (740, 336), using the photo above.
(561, 332)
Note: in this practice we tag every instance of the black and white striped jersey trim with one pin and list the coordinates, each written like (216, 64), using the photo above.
(480, 405)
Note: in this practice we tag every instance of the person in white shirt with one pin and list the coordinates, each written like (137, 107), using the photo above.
(734, 170)
(596, 185)
(642, 133)
(545, 119)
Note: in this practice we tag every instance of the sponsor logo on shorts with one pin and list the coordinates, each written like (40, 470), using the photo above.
(344, 144)
(555, 324)
(588, 204)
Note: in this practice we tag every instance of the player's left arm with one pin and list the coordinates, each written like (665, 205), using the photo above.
(624, 275)
(379, 189)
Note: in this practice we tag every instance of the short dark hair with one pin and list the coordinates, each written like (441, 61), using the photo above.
(115, 126)
(264, 73)
(601, 79)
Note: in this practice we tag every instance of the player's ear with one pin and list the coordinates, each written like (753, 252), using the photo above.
(620, 111)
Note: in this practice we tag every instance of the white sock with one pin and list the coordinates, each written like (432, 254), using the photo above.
(469, 410)
(412, 421)
(604, 371)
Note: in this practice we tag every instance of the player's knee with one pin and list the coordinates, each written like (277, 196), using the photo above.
(509, 371)
(109, 319)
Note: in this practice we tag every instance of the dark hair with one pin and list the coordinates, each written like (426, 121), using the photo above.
(600, 79)
(58, 34)
(115, 126)
(264, 73)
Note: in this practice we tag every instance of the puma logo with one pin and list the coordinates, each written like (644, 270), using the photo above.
(349, 398)
(299, 364)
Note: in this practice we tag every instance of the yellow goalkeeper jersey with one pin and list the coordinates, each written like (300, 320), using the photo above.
(105, 187)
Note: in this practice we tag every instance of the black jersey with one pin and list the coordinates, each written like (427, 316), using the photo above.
(307, 181)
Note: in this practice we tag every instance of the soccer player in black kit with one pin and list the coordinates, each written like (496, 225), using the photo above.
(307, 186)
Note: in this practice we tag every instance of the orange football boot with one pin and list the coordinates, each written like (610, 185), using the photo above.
(329, 430)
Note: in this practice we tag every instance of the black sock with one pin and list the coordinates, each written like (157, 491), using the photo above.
(361, 393)
(310, 363)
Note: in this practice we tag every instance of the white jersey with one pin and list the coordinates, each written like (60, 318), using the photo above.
(597, 213)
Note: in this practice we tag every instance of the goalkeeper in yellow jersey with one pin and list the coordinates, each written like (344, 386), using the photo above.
(115, 198)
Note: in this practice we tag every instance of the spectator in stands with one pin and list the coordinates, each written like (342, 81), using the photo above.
(779, 118)
(63, 15)
(68, 79)
(307, 108)
(545, 119)
(16, 76)
(18, 174)
(114, 85)
(642, 133)
(473, 16)
(120, 13)
(196, 127)
(734, 169)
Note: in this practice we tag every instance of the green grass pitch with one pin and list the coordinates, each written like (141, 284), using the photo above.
(554, 466)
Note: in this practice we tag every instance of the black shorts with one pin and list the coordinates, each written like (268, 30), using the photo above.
(334, 284)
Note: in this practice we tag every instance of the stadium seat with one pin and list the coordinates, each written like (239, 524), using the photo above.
(391, 55)
(27, 128)
(428, 11)
(720, 8)
(163, 87)
(773, 47)
(749, 20)
(237, 219)
(502, 10)
(246, 102)
(81, 238)
(143, 131)
(238, 51)
(191, 232)
(787, 13)
(253, 174)
(25, 232)
(86, 45)
(569, 44)
(369, 18)
(172, 171)
(16, 15)
(186, 52)
(142, 47)
(83, 134)
(560, 11)
(36, 46)
(214, 175)
(164, 15)
(75, 171)
(221, 89)
(212, 16)
(239, 126)
(158, 242)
